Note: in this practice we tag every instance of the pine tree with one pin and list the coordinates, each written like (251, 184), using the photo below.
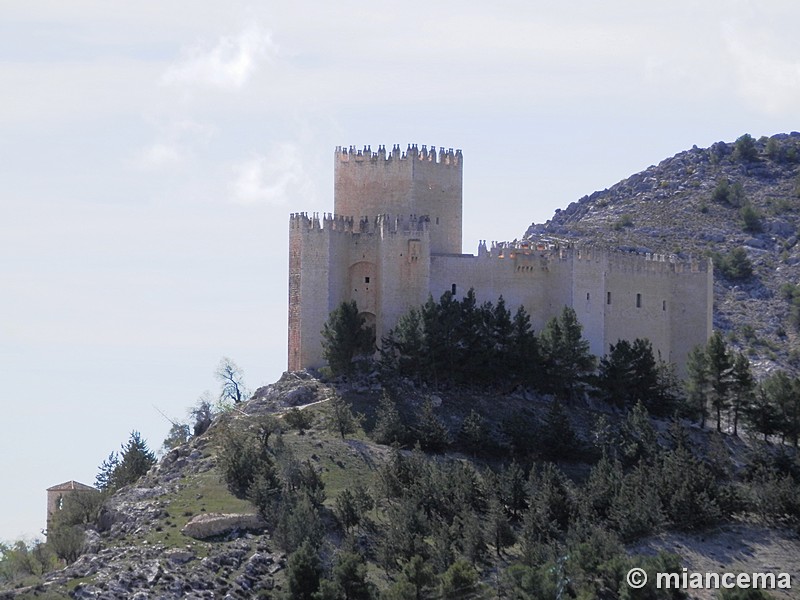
(566, 354)
(135, 459)
(557, 438)
(431, 432)
(105, 476)
(389, 427)
(473, 432)
(762, 414)
(742, 386)
(303, 573)
(350, 576)
(698, 384)
(345, 336)
(719, 368)
(523, 348)
(782, 391)
(342, 419)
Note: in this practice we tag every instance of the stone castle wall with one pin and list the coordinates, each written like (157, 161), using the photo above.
(396, 238)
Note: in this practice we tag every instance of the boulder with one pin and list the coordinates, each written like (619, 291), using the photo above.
(213, 524)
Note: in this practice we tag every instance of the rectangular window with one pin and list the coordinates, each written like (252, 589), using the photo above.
(663, 305)
(366, 279)
(638, 301)
(587, 296)
(454, 289)
(608, 297)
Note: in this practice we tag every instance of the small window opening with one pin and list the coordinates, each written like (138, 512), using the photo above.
(453, 289)
(366, 279)
(608, 297)
(663, 305)
(638, 301)
(437, 220)
(587, 296)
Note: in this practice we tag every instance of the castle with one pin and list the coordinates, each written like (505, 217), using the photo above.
(395, 238)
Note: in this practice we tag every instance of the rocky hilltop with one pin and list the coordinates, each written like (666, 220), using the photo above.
(712, 202)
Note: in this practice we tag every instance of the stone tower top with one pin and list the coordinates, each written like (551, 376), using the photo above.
(419, 181)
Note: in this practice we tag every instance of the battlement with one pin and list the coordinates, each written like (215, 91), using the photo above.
(444, 157)
(615, 258)
(411, 224)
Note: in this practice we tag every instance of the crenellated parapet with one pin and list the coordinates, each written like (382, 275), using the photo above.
(383, 224)
(444, 157)
(615, 259)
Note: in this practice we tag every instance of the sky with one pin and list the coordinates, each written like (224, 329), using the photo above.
(151, 152)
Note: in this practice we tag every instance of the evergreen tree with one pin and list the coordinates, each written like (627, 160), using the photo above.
(784, 395)
(719, 369)
(745, 149)
(762, 414)
(133, 461)
(350, 576)
(742, 386)
(345, 336)
(500, 331)
(342, 420)
(636, 439)
(419, 575)
(472, 340)
(557, 438)
(459, 582)
(431, 431)
(629, 374)
(511, 488)
(404, 348)
(473, 432)
(303, 573)
(698, 384)
(566, 355)
(104, 478)
(500, 530)
(523, 348)
(389, 427)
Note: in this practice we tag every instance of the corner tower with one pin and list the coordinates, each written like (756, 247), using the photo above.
(416, 182)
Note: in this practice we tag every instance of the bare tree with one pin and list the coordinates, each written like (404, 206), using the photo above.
(232, 379)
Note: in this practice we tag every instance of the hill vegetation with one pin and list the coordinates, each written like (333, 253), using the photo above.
(476, 458)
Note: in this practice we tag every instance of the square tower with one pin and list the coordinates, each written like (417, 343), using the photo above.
(417, 182)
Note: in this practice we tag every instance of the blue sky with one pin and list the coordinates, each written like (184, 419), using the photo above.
(150, 153)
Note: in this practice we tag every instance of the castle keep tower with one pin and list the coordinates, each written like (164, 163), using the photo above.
(395, 239)
(416, 182)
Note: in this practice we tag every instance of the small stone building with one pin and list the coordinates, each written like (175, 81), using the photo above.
(57, 493)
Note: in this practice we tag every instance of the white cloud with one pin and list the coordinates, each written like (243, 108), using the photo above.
(228, 64)
(176, 143)
(276, 178)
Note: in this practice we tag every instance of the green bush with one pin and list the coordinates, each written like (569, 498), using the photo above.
(751, 218)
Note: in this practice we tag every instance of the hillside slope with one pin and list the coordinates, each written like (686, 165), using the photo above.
(141, 547)
(696, 203)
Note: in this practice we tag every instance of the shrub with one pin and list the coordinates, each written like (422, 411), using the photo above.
(298, 419)
(751, 218)
(744, 149)
(727, 193)
(736, 266)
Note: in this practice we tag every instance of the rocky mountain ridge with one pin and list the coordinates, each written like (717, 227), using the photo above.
(711, 202)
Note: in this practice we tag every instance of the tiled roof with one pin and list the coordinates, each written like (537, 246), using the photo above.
(69, 486)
